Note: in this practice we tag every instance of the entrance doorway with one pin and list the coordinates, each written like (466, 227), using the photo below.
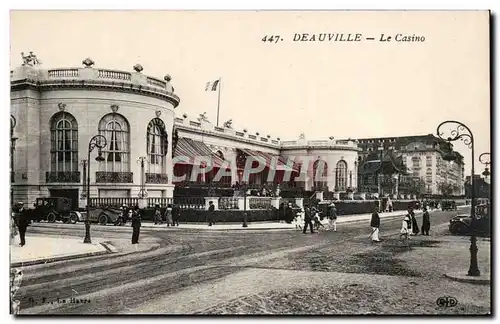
(67, 193)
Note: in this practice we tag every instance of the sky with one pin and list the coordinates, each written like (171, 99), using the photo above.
(341, 89)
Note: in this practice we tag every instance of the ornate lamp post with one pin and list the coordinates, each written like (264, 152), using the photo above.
(84, 166)
(12, 149)
(142, 192)
(460, 131)
(484, 158)
(98, 141)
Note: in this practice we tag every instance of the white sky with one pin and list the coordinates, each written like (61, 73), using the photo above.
(321, 89)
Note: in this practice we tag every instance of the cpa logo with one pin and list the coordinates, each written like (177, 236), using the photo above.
(447, 301)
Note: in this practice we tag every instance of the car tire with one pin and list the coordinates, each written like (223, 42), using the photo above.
(458, 228)
(103, 219)
(51, 217)
(73, 218)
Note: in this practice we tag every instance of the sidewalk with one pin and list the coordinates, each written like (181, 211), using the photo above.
(275, 225)
(44, 249)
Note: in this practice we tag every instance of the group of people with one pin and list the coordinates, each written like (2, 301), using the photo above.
(409, 224)
(170, 216)
(311, 216)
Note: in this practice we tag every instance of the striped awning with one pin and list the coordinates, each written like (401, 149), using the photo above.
(191, 149)
(268, 159)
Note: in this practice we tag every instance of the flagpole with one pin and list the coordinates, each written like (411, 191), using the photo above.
(218, 101)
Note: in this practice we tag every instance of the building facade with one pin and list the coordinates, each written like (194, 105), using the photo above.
(422, 156)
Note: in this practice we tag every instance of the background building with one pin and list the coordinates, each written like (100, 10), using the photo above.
(422, 157)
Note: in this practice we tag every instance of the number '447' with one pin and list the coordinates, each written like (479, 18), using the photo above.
(271, 39)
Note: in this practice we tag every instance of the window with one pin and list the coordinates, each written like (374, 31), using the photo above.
(320, 171)
(341, 176)
(157, 143)
(63, 142)
(117, 151)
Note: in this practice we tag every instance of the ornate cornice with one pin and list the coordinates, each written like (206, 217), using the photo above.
(103, 85)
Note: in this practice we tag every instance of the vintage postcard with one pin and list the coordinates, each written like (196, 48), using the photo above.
(250, 162)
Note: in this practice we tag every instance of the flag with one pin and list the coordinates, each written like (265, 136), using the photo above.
(212, 86)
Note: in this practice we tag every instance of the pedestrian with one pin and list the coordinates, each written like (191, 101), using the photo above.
(316, 219)
(375, 225)
(406, 225)
(176, 214)
(168, 215)
(22, 223)
(289, 213)
(332, 217)
(157, 215)
(211, 213)
(414, 225)
(122, 219)
(307, 220)
(136, 225)
(426, 222)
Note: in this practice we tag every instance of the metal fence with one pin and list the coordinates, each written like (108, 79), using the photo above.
(228, 203)
(260, 203)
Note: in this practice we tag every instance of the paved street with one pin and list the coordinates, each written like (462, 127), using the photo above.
(180, 270)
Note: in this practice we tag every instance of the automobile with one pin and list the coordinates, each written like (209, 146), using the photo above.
(53, 209)
(105, 215)
(462, 224)
(448, 205)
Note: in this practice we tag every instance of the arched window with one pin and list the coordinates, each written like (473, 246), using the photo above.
(157, 144)
(341, 176)
(63, 143)
(117, 151)
(320, 172)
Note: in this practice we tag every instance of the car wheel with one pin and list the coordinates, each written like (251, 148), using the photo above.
(73, 218)
(103, 219)
(51, 217)
(458, 228)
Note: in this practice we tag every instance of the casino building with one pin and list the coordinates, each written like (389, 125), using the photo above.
(58, 111)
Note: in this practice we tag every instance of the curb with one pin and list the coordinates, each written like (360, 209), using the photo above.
(64, 258)
(471, 280)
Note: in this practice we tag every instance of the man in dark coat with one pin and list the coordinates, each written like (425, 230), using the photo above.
(136, 225)
(375, 225)
(426, 222)
(22, 223)
(289, 213)
(176, 214)
(308, 220)
(414, 225)
(211, 213)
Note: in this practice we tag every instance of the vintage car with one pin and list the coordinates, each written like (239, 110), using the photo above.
(462, 224)
(105, 215)
(53, 209)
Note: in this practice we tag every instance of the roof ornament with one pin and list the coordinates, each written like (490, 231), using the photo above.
(228, 124)
(30, 60)
(302, 136)
(138, 68)
(88, 62)
(203, 118)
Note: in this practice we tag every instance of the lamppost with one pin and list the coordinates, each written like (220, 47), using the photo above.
(244, 187)
(84, 166)
(460, 131)
(484, 158)
(12, 149)
(98, 141)
(142, 192)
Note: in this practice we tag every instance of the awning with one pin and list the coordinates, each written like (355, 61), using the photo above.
(191, 149)
(268, 159)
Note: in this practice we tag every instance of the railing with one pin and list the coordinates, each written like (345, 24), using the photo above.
(190, 202)
(116, 75)
(260, 203)
(113, 177)
(155, 82)
(64, 73)
(228, 203)
(62, 176)
(156, 178)
(114, 202)
(163, 202)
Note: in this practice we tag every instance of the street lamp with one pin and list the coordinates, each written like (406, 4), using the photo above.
(12, 149)
(484, 158)
(84, 191)
(458, 132)
(98, 141)
(142, 192)
(244, 187)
